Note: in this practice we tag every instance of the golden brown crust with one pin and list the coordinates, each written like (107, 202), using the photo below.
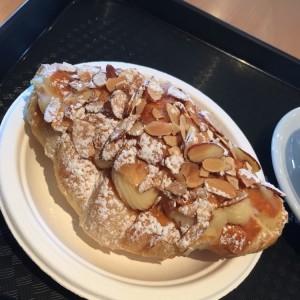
(146, 170)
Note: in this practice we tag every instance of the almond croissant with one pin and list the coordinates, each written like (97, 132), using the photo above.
(146, 170)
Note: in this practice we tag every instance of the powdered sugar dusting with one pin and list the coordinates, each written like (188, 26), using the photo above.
(151, 150)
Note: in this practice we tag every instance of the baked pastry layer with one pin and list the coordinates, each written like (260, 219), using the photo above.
(146, 170)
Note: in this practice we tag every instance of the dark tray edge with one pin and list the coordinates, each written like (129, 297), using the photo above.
(226, 38)
(24, 27)
(35, 17)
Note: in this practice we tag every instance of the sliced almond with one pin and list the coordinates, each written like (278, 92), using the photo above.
(99, 79)
(233, 180)
(273, 188)
(112, 82)
(104, 164)
(200, 152)
(157, 113)
(177, 93)
(84, 75)
(130, 195)
(173, 113)
(174, 150)
(242, 155)
(203, 137)
(110, 71)
(111, 149)
(209, 119)
(154, 90)
(122, 127)
(194, 117)
(229, 160)
(191, 173)
(172, 140)
(248, 178)
(194, 180)
(118, 102)
(182, 125)
(220, 187)
(190, 137)
(215, 165)
(175, 129)
(247, 166)
(134, 173)
(87, 94)
(203, 172)
(137, 129)
(179, 218)
(240, 195)
(158, 128)
(140, 106)
(177, 188)
(188, 168)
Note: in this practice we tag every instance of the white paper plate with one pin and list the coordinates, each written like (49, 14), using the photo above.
(47, 229)
(286, 158)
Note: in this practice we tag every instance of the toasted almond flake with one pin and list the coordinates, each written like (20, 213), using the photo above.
(209, 119)
(194, 117)
(203, 172)
(172, 140)
(154, 94)
(200, 152)
(134, 173)
(177, 93)
(188, 168)
(122, 127)
(87, 94)
(158, 128)
(84, 75)
(240, 195)
(175, 129)
(233, 180)
(247, 166)
(242, 155)
(140, 106)
(154, 89)
(174, 150)
(137, 129)
(99, 79)
(215, 165)
(194, 180)
(182, 125)
(248, 178)
(118, 102)
(157, 113)
(274, 189)
(173, 113)
(103, 164)
(230, 160)
(220, 187)
(67, 67)
(177, 188)
(203, 137)
(191, 137)
(112, 82)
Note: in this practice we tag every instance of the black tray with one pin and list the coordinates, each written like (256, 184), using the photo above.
(254, 83)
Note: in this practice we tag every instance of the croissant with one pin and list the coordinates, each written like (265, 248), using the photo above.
(147, 170)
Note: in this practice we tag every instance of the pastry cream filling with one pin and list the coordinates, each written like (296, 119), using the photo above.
(44, 91)
(130, 193)
(238, 213)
